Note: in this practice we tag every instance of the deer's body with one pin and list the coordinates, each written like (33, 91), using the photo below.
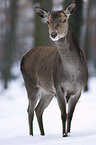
(49, 71)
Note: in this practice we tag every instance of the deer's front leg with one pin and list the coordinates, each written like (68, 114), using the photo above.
(71, 107)
(62, 105)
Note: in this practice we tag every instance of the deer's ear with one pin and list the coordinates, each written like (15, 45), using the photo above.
(70, 9)
(41, 12)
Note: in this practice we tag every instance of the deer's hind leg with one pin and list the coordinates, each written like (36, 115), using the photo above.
(30, 79)
(42, 105)
(32, 91)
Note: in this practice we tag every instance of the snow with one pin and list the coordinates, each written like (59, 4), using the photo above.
(14, 123)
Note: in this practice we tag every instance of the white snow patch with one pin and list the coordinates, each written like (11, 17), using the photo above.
(14, 123)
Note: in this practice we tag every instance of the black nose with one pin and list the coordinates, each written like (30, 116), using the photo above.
(53, 34)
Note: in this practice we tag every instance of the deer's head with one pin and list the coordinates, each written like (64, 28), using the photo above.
(57, 20)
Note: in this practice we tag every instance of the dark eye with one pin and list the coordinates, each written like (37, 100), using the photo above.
(48, 22)
(64, 21)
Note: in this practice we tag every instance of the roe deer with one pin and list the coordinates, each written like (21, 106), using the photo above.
(50, 71)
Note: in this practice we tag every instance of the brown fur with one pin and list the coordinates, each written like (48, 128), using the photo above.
(50, 71)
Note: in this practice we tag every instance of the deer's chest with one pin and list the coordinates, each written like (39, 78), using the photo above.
(72, 77)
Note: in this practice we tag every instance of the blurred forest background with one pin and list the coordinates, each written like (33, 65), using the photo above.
(21, 29)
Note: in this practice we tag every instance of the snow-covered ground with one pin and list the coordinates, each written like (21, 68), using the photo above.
(14, 122)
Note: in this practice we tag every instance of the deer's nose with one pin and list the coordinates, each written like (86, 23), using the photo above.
(53, 34)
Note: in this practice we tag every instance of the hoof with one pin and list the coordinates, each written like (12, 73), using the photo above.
(66, 135)
(42, 134)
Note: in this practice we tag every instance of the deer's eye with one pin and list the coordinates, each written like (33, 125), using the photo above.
(64, 21)
(48, 22)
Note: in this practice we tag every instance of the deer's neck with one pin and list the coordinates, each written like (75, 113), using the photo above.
(68, 47)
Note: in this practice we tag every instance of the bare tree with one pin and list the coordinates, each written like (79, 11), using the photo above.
(9, 43)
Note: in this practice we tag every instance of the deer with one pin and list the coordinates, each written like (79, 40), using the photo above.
(59, 70)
